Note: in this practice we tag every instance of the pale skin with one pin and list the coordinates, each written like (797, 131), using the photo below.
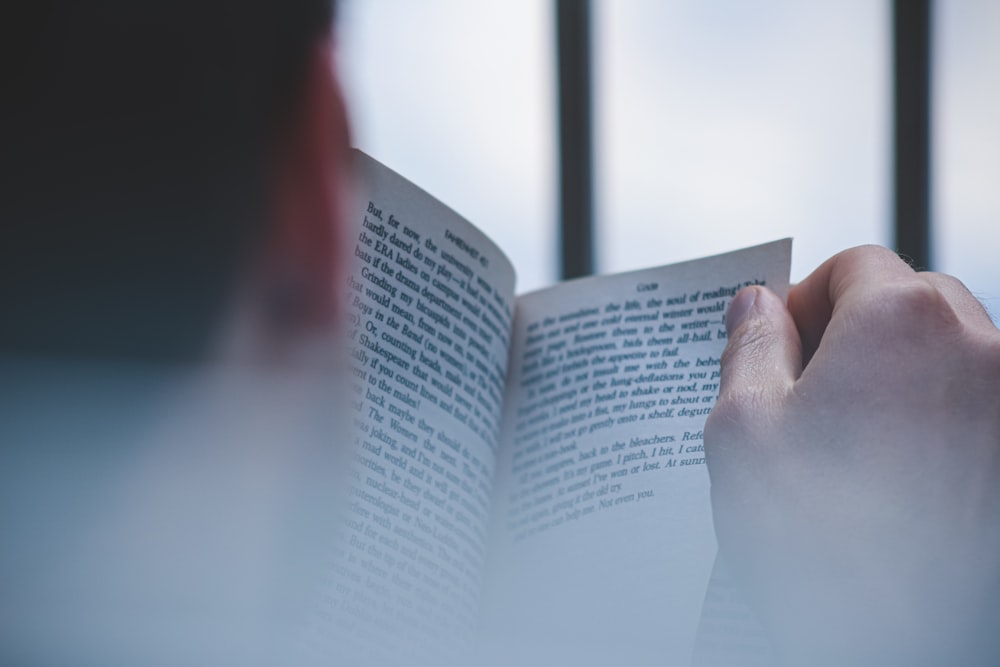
(854, 451)
(302, 258)
(188, 534)
(855, 463)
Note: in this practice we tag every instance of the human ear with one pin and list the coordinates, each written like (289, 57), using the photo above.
(310, 189)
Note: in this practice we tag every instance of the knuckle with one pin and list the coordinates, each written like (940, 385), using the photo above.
(869, 255)
(730, 417)
(718, 421)
(914, 306)
(987, 357)
(720, 429)
(944, 281)
(972, 310)
(734, 429)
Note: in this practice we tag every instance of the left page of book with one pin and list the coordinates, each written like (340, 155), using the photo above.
(430, 301)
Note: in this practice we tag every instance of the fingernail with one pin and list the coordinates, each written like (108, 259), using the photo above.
(738, 309)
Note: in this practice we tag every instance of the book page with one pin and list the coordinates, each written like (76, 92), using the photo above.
(729, 633)
(603, 539)
(431, 305)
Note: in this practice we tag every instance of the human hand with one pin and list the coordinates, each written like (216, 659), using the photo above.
(854, 455)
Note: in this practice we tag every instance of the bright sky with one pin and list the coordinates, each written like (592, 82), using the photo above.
(718, 124)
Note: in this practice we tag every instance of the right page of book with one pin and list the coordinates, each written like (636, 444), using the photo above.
(602, 536)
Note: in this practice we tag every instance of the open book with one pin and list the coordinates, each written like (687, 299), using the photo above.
(529, 482)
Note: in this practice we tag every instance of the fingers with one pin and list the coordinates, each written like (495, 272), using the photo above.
(874, 292)
(861, 274)
(843, 277)
(966, 306)
(764, 353)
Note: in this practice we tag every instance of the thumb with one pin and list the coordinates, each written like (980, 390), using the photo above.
(764, 354)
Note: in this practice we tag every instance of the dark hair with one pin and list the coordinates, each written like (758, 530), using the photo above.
(134, 136)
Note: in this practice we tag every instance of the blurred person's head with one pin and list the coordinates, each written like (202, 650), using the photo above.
(167, 169)
(159, 160)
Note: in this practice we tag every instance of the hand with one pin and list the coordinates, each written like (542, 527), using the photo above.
(854, 455)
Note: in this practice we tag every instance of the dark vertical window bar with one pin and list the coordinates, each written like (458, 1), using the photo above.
(576, 199)
(912, 140)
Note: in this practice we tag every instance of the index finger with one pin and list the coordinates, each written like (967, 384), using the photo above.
(847, 274)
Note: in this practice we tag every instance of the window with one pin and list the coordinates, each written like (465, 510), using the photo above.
(966, 149)
(726, 124)
(459, 97)
(717, 125)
